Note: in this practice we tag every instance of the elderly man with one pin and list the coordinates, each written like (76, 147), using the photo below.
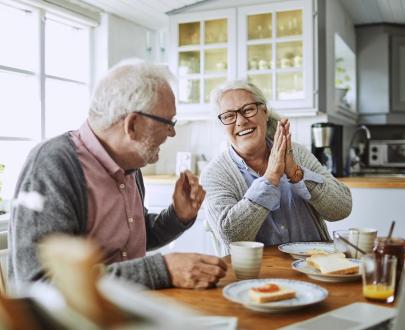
(88, 183)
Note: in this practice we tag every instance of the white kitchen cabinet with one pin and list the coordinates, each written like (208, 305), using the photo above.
(268, 44)
(202, 56)
(158, 196)
(375, 208)
(276, 52)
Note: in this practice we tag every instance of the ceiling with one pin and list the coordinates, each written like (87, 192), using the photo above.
(149, 13)
(375, 11)
(152, 13)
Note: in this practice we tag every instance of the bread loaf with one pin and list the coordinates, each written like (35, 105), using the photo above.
(333, 264)
(270, 292)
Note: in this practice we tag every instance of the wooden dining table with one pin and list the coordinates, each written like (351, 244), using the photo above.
(275, 264)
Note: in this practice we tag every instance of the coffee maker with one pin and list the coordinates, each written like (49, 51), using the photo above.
(327, 146)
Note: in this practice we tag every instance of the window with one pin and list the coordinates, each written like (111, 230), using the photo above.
(44, 81)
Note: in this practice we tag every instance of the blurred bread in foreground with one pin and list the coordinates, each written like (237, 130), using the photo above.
(333, 264)
(71, 263)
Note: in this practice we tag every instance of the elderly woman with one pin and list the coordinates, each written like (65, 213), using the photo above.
(264, 187)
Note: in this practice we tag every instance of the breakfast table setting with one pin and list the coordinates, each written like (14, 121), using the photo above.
(315, 293)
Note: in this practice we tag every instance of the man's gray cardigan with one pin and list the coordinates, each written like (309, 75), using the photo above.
(53, 170)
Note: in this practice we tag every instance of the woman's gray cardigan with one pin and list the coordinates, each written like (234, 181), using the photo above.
(234, 218)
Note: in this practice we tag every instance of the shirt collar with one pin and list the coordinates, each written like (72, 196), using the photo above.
(94, 146)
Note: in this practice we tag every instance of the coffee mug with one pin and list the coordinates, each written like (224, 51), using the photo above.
(246, 258)
(366, 239)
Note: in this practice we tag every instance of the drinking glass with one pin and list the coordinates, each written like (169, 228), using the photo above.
(394, 247)
(352, 236)
(378, 273)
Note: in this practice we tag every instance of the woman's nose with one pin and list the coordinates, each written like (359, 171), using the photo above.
(240, 119)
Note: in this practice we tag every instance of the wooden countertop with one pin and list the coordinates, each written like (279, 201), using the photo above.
(351, 182)
(373, 182)
(160, 179)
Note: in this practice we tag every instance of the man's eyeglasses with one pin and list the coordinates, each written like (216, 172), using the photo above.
(158, 118)
(246, 111)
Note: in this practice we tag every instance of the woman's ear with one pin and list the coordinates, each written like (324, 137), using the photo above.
(130, 125)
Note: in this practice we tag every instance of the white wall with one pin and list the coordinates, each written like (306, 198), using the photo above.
(116, 39)
(337, 21)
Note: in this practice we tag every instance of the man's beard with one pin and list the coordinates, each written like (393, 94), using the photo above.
(148, 151)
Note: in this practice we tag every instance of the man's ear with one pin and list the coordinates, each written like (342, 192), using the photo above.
(130, 124)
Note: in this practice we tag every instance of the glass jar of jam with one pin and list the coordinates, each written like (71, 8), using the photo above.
(394, 247)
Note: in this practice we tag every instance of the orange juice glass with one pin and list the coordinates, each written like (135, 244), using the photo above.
(378, 273)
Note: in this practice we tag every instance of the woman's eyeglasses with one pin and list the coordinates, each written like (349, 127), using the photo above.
(246, 111)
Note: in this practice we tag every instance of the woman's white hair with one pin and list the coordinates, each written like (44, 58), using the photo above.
(219, 92)
(130, 86)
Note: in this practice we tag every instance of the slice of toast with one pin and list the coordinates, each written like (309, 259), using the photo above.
(333, 264)
(259, 294)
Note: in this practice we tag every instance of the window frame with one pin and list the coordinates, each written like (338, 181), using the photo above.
(71, 17)
(64, 16)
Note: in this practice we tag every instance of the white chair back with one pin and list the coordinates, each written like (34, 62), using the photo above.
(3, 270)
(3, 261)
(217, 245)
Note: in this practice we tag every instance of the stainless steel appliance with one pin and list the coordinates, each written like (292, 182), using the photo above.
(327, 146)
(387, 153)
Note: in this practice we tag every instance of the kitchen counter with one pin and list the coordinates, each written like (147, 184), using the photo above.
(160, 179)
(351, 182)
(374, 182)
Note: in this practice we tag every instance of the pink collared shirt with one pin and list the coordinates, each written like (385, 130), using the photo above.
(115, 211)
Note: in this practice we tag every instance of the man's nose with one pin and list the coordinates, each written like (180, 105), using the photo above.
(172, 131)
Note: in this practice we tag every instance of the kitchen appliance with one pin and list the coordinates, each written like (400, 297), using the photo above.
(326, 145)
(387, 153)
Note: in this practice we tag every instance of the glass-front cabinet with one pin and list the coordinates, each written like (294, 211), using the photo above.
(276, 52)
(202, 56)
(270, 44)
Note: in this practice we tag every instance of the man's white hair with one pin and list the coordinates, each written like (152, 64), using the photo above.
(130, 86)
(219, 92)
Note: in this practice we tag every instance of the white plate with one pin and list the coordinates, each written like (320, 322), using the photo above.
(299, 250)
(303, 267)
(306, 294)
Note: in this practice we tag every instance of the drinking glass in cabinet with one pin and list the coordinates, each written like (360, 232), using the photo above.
(209, 85)
(290, 86)
(189, 62)
(259, 57)
(289, 54)
(259, 26)
(189, 91)
(264, 82)
(216, 31)
(215, 60)
(189, 33)
(289, 23)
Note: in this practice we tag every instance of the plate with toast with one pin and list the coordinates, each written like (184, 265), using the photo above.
(333, 267)
(302, 250)
(274, 294)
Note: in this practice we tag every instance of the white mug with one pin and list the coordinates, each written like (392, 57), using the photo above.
(366, 239)
(246, 259)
